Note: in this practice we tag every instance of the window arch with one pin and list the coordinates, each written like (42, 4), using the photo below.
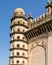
(18, 37)
(18, 45)
(23, 30)
(23, 37)
(23, 45)
(23, 62)
(23, 54)
(13, 38)
(18, 53)
(23, 22)
(12, 46)
(18, 22)
(12, 62)
(17, 61)
(18, 30)
(12, 53)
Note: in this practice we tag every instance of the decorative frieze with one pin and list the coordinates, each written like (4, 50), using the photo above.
(43, 28)
(18, 57)
(40, 41)
(18, 49)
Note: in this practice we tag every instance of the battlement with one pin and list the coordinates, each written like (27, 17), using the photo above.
(41, 19)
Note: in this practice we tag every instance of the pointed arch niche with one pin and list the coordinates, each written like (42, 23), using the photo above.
(38, 51)
(37, 56)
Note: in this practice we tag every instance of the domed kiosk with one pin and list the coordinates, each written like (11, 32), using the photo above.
(19, 47)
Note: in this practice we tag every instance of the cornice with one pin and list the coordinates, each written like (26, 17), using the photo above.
(40, 29)
(18, 57)
(18, 49)
(20, 40)
(16, 33)
(18, 17)
(18, 25)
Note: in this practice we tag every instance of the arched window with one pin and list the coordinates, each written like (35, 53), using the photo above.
(23, 62)
(13, 38)
(12, 62)
(17, 61)
(23, 37)
(18, 30)
(18, 45)
(18, 53)
(18, 22)
(23, 45)
(12, 53)
(23, 54)
(23, 30)
(23, 22)
(18, 37)
(12, 46)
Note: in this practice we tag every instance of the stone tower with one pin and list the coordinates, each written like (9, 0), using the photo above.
(19, 47)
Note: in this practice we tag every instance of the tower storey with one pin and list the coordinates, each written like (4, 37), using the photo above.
(19, 47)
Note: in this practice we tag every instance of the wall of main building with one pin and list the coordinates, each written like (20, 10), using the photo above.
(49, 49)
(40, 50)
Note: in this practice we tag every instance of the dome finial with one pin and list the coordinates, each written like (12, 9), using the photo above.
(49, 4)
(19, 12)
(30, 15)
(49, 1)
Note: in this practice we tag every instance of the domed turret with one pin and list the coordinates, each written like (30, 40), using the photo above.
(19, 12)
(49, 7)
(19, 46)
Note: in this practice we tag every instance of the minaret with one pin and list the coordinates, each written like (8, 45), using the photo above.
(30, 18)
(30, 21)
(49, 7)
(19, 46)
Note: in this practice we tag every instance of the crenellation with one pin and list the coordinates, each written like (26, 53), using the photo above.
(35, 19)
(38, 18)
(43, 18)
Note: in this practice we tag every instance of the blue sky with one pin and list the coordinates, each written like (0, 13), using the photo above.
(7, 7)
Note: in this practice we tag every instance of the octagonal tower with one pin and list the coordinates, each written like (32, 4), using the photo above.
(19, 47)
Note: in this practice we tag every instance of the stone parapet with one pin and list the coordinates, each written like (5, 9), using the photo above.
(41, 19)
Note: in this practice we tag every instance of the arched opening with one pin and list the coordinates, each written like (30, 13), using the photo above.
(23, 62)
(23, 37)
(18, 53)
(23, 54)
(23, 30)
(18, 30)
(37, 56)
(12, 53)
(12, 62)
(18, 37)
(23, 22)
(18, 22)
(12, 46)
(23, 46)
(18, 46)
(17, 61)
